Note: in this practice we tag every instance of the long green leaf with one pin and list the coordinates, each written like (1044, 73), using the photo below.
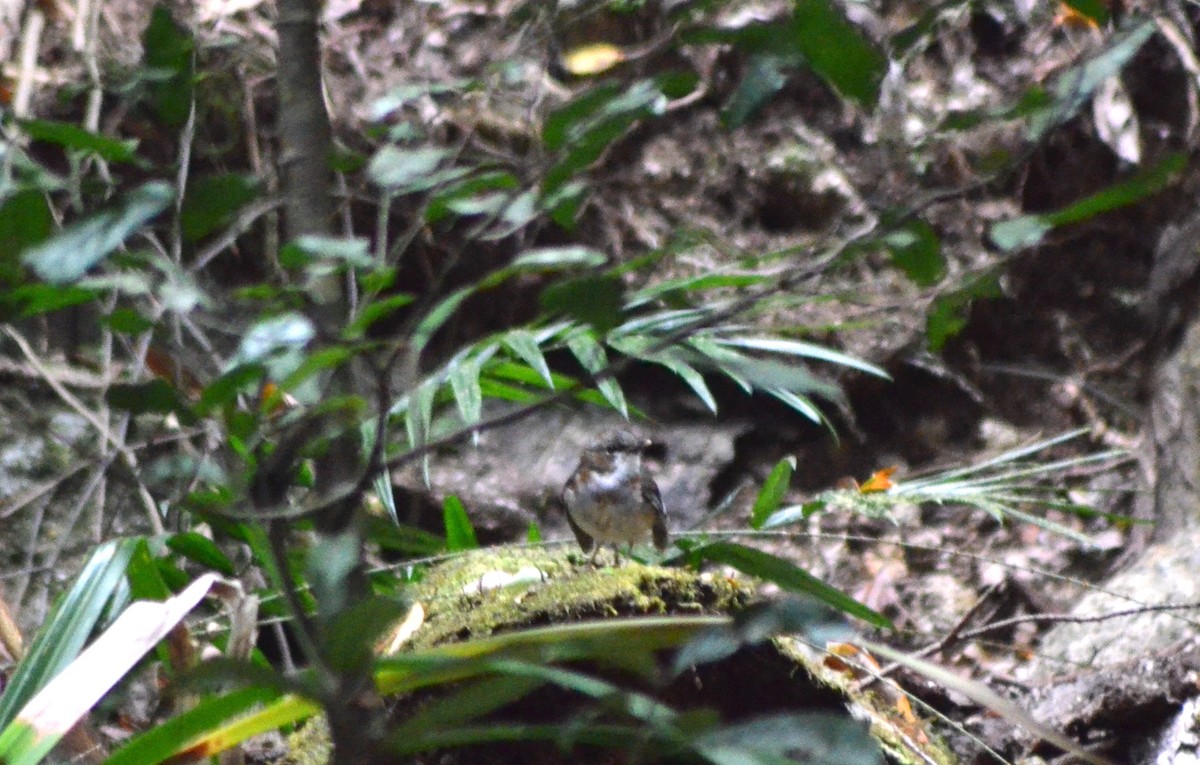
(591, 356)
(460, 534)
(790, 577)
(772, 492)
(1029, 230)
(72, 620)
(68, 256)
(523, 343)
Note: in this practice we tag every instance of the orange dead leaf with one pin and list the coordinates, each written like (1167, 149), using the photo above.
(273, 401)
(164, 367)
(880, 480)
(1072, 19)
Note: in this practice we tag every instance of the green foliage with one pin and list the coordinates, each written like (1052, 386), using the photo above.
(1005, 486)
(211, 203)
(67, 256)
(277, 406)
(460, 533)
(169, 67)
(76, 138)
(787, 575)
(97, 590)
(1028, 230)
(772, 492)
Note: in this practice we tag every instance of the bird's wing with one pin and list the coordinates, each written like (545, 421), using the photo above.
(582, 537)
(651, 496)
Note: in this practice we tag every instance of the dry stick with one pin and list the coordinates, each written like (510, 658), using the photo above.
(106, 362)
(69, 398)
(35, 525)
(35, 24)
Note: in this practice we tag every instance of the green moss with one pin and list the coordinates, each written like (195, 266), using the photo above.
(464, 599)
(552, 588)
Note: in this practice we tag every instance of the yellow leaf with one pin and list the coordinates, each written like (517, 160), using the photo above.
(880, 480)
(592, 59)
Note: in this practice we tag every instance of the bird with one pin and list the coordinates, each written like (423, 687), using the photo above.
(611, 498)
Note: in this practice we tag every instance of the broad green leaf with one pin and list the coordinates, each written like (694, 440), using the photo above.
(591, 356)
(156, 395)
(1019, 233)
(836, 51)
(66, 698)
(226, 388)
(689, 375)
(790, 577)
(315, 363)
(67, 256)
(351, 251)
(525, 345)
(70, 623)
(289, 331)
(566, 120)
(200, 549)
(397, 97)
(404, 170)
(211, 202)
(564, 202)
(590, 131)
(766, 74)
(407, 540)
(595, 300)
(764, 374)
(801, 404)
(700, 283)
(464, 703)
(168, 58)
(127, 321)
(460, 533)
(464, 381)
(419, 418)
(948, 314)
(71, 136)
(25, 220)
(1074, 87)
(774, 489)
(36, 299)
(516, 214)
(486, 193)
(917, 251)
(495, 389)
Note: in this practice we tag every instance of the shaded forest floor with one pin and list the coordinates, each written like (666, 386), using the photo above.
(1053, 338)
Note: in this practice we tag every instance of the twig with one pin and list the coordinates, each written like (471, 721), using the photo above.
(70, 400)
